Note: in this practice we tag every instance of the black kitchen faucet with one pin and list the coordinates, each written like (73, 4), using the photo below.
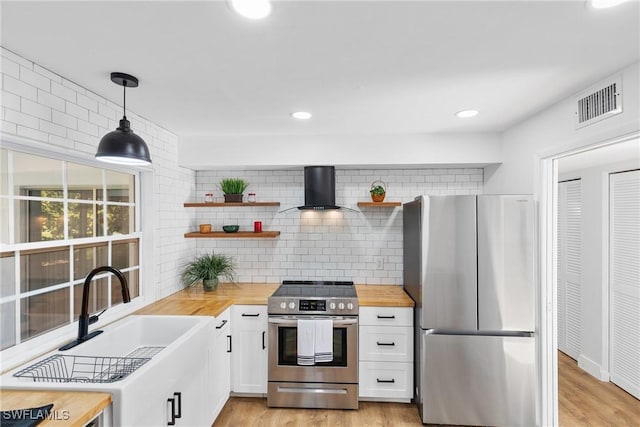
(85, 320)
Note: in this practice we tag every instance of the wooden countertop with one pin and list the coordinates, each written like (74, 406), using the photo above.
(383, 296)
(195, 301)
(69, 408)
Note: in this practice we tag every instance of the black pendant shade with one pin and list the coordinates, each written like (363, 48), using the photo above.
(122, 146)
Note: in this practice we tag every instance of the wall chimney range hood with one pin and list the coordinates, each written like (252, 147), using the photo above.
(319, 188)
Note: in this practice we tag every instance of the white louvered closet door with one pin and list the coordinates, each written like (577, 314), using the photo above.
(624, 280)
(569, 267)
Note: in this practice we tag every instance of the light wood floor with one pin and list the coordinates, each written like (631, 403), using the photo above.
(584, 402)
(250, 411)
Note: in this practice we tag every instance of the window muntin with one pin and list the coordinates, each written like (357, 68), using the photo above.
(53, 217)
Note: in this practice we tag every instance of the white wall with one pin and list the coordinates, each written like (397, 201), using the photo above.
(595, 284)
(405, 150)
(553, 130)
(46, 110)
(331, 245)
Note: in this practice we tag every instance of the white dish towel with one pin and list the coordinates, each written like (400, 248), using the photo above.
(323, 341)
(306, 341)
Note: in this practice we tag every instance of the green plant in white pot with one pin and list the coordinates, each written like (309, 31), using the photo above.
(208, 268)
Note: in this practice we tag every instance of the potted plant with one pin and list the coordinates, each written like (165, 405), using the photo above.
(208, 268)
(378, 191)
(233, 189)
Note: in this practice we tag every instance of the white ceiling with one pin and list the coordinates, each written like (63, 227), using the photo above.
(361, 67)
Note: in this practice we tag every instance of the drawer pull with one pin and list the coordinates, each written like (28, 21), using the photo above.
(386, 317)
(250, 315)
(390, 344)
(386, 381)
(224, 322)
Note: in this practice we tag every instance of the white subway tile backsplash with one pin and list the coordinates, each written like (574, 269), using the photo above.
(53, 77)
(19, 88)
(324, 245)
(86, 102)
(28, 132)
(35, 79)
(35, 109)
(8, 127)
(77, 111)
(10, 100)
(49, 100)
(52, 128)
(63, 92)
(10, 68)
(21, 119)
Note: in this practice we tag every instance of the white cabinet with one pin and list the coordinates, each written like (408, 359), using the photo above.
(386, 353)
(249, 340)
(176, 391)
(220, 383)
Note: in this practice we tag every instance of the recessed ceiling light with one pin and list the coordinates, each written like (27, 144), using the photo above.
(465, 114)
(252, 9)
(301, 115)
(603, 4)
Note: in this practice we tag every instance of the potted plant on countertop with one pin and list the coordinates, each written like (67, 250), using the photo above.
(208, 268)
(233, 189)
(378, 191)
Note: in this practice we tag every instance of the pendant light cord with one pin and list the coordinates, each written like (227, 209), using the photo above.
(124, 97)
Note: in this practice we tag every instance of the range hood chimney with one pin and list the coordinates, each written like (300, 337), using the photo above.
(319, 188)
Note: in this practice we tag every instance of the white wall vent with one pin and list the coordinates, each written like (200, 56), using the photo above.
(599, 102)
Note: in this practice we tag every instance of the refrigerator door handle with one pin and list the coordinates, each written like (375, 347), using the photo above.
(526, 334)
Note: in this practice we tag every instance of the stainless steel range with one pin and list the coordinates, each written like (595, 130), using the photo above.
(323, 384)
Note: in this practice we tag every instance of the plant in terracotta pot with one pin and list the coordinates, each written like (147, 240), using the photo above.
(233, 189)
(378, 191)
(208, 268)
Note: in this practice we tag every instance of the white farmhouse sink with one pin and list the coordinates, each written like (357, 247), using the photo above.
(126, 335)
(178, 341)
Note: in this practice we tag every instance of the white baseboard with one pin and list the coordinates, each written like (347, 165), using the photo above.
(592, 368)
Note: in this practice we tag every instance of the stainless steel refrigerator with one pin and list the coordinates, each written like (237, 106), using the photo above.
(469, 267)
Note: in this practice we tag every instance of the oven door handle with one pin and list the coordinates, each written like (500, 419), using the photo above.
(292, 322)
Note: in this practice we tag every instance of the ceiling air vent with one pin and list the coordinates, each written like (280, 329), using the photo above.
(600, 102)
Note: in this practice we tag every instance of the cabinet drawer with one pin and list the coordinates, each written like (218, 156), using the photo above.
(386, 316)
(386, 380)
(250, 315)
(386, 343)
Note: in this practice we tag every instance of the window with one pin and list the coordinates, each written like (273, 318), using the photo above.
(58, 221)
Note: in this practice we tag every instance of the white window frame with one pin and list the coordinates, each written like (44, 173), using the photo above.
(50, 340)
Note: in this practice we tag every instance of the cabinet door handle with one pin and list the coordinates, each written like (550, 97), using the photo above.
(250, 315)
(264, 334)
(391, 344)
(220, 326)
(386, 317)
(228, 343)
(173, 412)
(392, 380)
(178, 395)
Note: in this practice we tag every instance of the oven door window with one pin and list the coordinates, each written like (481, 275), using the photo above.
(288, 347)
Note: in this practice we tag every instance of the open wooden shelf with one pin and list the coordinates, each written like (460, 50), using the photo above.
(229, 205)
(236, 235)
(379, 204)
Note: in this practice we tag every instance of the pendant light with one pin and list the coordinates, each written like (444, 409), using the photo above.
(122, 146)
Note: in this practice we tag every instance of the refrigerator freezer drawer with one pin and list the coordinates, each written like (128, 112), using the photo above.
(477, 380)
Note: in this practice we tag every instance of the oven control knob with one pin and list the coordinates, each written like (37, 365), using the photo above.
(341, 306)
(283, 304)
(332, 306)
(350, 306)
(292, 305)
